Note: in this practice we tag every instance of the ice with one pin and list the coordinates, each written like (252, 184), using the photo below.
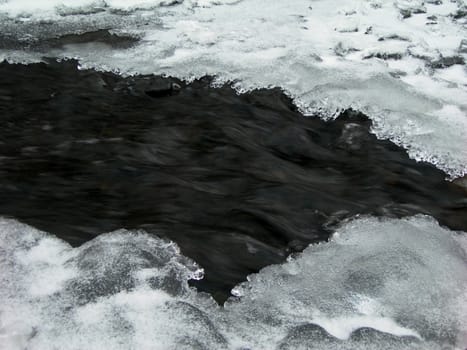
(384, 58)
(390, 274)
(379, 283)
(52, 8)
(121, 290)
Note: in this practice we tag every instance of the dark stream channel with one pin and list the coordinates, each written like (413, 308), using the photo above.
(238, 182)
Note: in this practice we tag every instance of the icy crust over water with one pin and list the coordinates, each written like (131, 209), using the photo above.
(123, 290)
(50, 8)
(400, 62)
(378, 284)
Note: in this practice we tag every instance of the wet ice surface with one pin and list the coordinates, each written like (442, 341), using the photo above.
(379, 283)
(402, 63)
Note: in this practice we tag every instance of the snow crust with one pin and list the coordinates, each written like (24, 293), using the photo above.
(400, 62)
(378, 284)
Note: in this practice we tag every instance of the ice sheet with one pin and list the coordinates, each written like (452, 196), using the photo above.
(379, 283)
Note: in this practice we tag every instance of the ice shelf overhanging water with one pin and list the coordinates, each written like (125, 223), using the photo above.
(379, 283)
(389, 283)
(400, 62)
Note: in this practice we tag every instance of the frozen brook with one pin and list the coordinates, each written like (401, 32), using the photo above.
(377, 284)
(400, 62)
(388, 277)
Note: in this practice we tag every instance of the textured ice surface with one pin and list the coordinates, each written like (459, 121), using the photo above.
(51, 8)
(119, 291)
(401, 62)
(390, 275)
(379, 284)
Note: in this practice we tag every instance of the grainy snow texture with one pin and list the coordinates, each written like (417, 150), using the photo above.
(378, 284)
(400, 62)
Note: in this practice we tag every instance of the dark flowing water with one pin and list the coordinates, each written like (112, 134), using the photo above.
(238, 182)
